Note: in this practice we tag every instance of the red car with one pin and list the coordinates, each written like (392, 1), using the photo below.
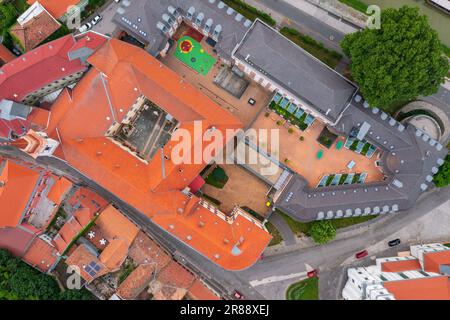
(238, 295)
(361, 254)
(312, 274)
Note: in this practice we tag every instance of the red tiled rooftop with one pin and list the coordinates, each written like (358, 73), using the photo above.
(114, 254)
(18, 185)
(433, 260)
(15, 240)
(43, 65)
(430, 288)
(199, 291)
(129, 73)
(57, 8)
(136, 282)
(399, 266)
(5, 55)
(174, 275)
(59, 190)
(114, 225)
(145, 251)
(82, 257)
(41, 255)
(35, 31)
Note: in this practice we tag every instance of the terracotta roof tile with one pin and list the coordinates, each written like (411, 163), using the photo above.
(15, 240)
(59, 190)
(199, 291)
(174, 275)
(41, 255)
(57, 8)
(35, 31)
(114, 254)
(129, 73)
(114, 225)
(146, 251)
(82, 257)
(5, 55)
(430, 288)
(16, 188)
(136, 282)
(433, 260)
(399, 266)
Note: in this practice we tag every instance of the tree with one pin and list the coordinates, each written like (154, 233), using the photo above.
(398, 62)
(322, 231)
(442, 178)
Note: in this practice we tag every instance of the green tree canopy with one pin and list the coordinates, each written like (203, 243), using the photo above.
(398, 62)
(442, 178)
(322, 231)
(19, 281)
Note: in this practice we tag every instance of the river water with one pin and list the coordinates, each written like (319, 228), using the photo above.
(438, 20)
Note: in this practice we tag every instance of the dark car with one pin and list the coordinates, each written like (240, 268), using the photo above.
(394, 243)
(361, 254)
(238, 295)
(251, 101)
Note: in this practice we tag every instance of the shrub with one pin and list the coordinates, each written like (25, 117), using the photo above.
(322, 231)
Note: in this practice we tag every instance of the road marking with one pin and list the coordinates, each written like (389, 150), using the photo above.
(267, 280)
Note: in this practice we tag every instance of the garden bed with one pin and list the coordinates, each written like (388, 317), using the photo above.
(307, 289)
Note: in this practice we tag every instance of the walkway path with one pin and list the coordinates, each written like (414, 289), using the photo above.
(284, 229)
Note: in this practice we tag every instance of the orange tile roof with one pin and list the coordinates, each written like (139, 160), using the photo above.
(174, 275)
(114, 254)
(35, 31)
(41, 255)
(59, 190)
(433, 260)
(83, 216)
(129, 73)
(16, 188)
(399, 266)
(136, 282)
(199, 291)
(39, 119)
(68, 231)
(82, 257)
(57, 8)
(114, 225)
(145, 251)
(430, 288)
(5, 55)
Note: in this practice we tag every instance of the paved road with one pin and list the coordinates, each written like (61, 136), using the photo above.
(336, 252)
(306, 23)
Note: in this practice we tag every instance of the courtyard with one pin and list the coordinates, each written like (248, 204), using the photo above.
(300, 151)
(222, 96)
(242, 189)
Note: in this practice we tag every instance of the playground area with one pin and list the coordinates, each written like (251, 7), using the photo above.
(300, 151)
(191, 53)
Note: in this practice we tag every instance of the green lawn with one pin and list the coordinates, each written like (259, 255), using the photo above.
(307, 289)
(218, 178)
(303, 227)
(317, 49)
(197, 58)
(356, 4)
(274, 233)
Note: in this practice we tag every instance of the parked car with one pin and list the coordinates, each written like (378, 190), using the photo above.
(96, 19)
(251, 101)
(116, 1)
(85, 27)
(312, 273)
(394, 243)
(361, 254)
(238, 295)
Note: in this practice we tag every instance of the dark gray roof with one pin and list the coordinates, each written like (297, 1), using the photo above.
(146, 14)
(10, 110)
(296, 70)
(409, 160)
